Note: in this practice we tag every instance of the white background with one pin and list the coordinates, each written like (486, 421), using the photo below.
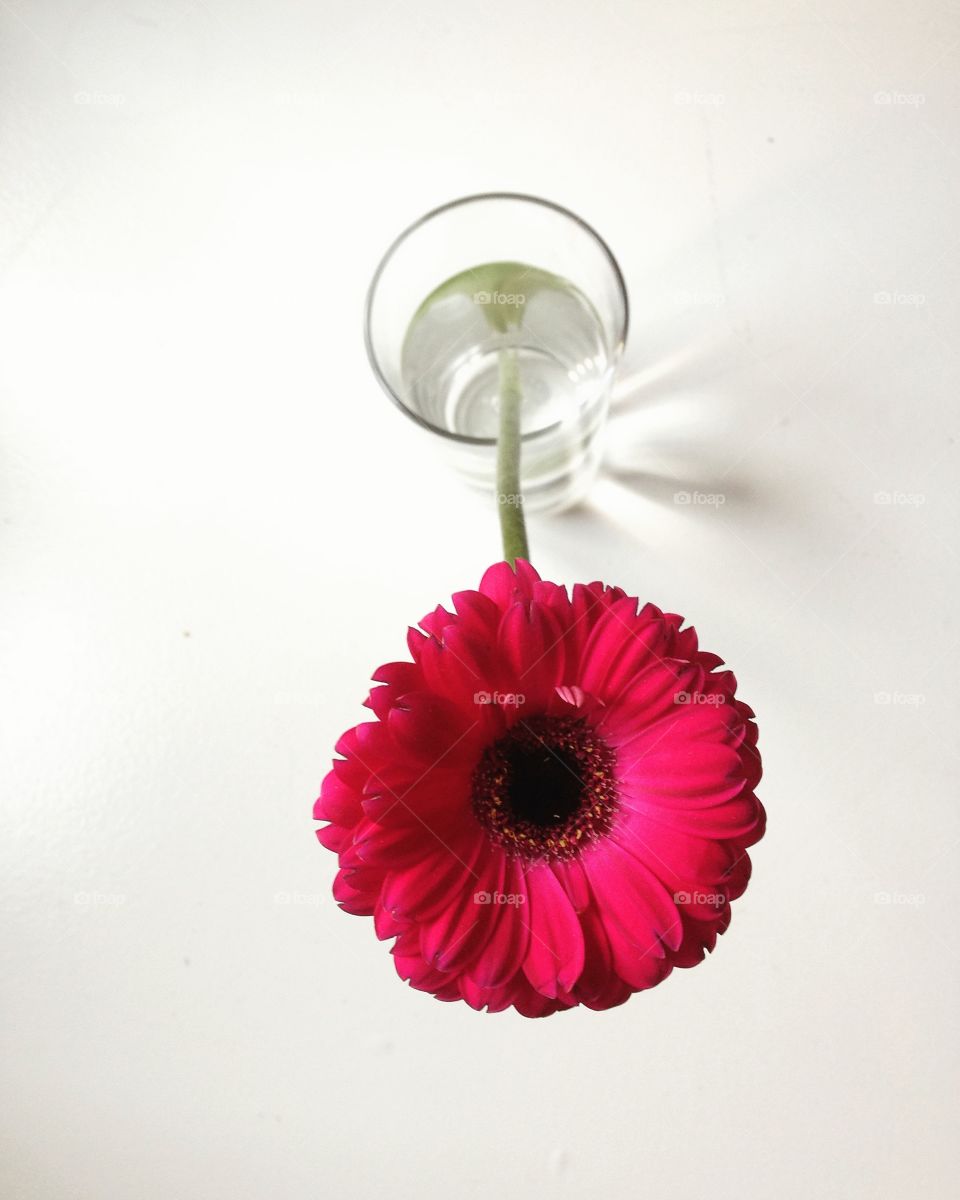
(215, 527)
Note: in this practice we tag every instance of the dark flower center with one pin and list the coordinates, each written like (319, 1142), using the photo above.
(543, 786)
(546, 789)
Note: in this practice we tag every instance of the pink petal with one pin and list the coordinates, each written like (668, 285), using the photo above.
(530, 644)
(337, 802)
(654, 694)
(452, 938)
(620, 647)
(420, 892)
(631, 897)
(505, 586)
(503, 955)
(430, 728)
(683, 759)
(555, 953)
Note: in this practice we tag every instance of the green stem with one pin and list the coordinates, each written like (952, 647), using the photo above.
(509, 499)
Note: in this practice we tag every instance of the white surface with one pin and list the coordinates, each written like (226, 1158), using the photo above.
(215, 527)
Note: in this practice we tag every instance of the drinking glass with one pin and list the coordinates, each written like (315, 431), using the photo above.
(494, 293)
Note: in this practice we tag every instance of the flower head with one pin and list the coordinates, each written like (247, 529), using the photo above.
(553, 803)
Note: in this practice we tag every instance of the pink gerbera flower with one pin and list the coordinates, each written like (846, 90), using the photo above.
(554, 801)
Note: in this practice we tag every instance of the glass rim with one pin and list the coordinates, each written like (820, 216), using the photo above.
(459, 202)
